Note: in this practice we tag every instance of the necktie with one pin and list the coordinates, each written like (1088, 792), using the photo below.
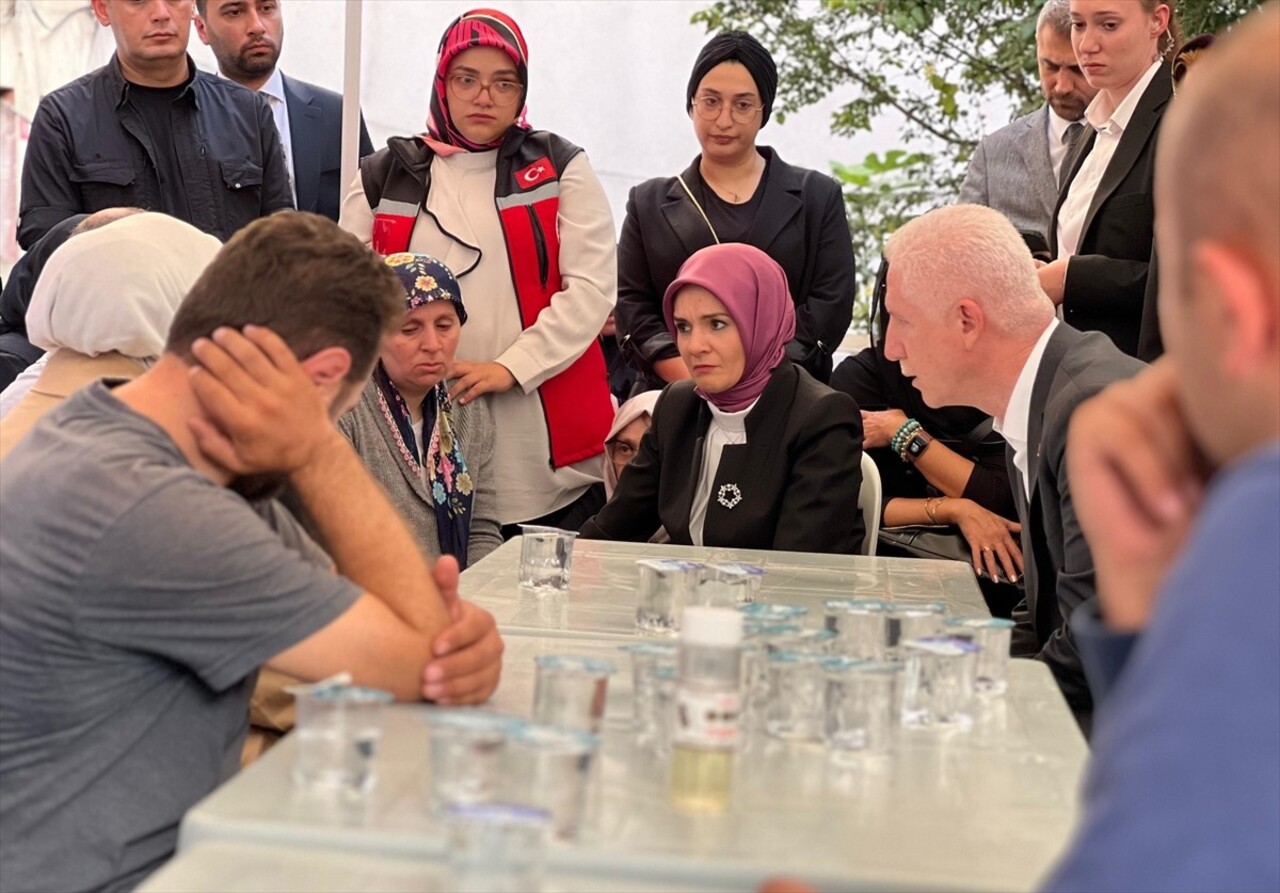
(1073, 133)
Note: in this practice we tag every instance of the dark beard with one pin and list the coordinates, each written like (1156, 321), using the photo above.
(257, 487)
(253, 68)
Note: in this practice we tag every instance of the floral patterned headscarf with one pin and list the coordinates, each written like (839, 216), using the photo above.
(425, 279)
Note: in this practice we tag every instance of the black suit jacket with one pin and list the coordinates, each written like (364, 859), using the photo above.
(1057, 564)
(801, 224)
(1106, 281)
(315, 127)
(799, 472)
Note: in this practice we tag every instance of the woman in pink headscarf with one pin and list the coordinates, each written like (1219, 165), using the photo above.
(752, 452)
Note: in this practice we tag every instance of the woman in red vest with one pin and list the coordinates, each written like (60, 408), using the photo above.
(521, 217)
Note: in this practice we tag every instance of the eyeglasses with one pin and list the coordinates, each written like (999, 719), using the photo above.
(501, 92)
(742, 111)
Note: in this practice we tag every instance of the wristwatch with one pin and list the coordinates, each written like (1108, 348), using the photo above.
(918, 443)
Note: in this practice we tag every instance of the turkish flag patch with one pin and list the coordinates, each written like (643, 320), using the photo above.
(538, 172)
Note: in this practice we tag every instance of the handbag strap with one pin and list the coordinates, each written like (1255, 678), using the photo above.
(979, 433)
(696, 204)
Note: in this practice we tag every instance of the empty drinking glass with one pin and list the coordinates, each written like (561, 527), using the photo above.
(729, 584)
(646, 658)
(911, 621)
(811, 641)
(861, 626)
(466, 749)
(663, 710)
(795, 696)
(571, 691)
(938, 686)
(338, 728)
(860, 701)
(496, 847)
(546, 558)
(665, 587)
(993, 635)
(772, 613)
(550, 768)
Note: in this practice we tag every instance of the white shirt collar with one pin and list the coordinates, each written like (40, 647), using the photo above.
(1017, 414)
(1057, 127)
(274, 87)
(1105, 120)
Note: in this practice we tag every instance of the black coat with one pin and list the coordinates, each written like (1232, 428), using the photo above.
(1057, 565)
(801, 224)
(89, 149)
(1106, 284)
(799, 473)
(315, 127)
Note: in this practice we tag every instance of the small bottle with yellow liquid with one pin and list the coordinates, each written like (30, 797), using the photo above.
(708, 709)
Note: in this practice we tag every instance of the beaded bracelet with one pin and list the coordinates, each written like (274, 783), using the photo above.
(908, 427)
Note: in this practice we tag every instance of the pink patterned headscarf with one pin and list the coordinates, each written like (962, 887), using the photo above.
(753, 289)
(477, 28)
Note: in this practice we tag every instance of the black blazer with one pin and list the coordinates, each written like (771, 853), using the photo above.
(315, 127)
(799, 473)
(1057, 564)
(1107, 278)
(801, 224)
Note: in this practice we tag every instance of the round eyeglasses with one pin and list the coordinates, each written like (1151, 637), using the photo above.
(501, 92)
(743, 111)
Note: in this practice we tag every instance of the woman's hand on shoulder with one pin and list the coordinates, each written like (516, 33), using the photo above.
(472, 380)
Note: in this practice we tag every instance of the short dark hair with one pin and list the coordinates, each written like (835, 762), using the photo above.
(299, 275)
(202, 6)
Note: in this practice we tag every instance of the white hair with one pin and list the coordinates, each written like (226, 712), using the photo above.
(969, 251)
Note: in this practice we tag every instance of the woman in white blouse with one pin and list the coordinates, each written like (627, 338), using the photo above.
(1102, 230)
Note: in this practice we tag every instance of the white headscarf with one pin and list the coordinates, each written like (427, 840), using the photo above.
(117, 288)
(639, 405)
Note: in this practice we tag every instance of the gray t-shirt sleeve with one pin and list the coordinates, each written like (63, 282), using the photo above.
(214, 590)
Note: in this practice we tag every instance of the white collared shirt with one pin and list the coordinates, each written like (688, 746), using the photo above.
(273, 89)
(1110, 125)
(1017, 415)
(725, 428)
(1057, 127)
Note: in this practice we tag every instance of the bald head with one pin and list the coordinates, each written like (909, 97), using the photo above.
(99, 219)
(1218, 239)
(1218, 174)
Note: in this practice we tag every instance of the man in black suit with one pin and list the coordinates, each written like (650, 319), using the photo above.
(246, 37)
(970, 324)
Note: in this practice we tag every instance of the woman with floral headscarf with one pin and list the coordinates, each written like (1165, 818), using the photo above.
(522, 218)
(751, 452)
(433, 455)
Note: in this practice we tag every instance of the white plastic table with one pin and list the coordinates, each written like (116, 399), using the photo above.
(231, 867)
(601, 600)
(989, 809)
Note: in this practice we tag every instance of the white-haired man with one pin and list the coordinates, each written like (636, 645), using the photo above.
(969, 323)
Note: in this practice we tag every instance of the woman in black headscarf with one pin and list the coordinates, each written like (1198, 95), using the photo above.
(734, 191)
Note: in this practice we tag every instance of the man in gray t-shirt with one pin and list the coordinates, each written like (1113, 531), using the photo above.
(131, 631)
(141, 593)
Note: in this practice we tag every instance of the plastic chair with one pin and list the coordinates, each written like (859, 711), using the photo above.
(869, 502)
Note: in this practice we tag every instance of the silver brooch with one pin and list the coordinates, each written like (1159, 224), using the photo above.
(729, 495)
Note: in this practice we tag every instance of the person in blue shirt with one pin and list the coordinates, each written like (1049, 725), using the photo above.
(1176, 476)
